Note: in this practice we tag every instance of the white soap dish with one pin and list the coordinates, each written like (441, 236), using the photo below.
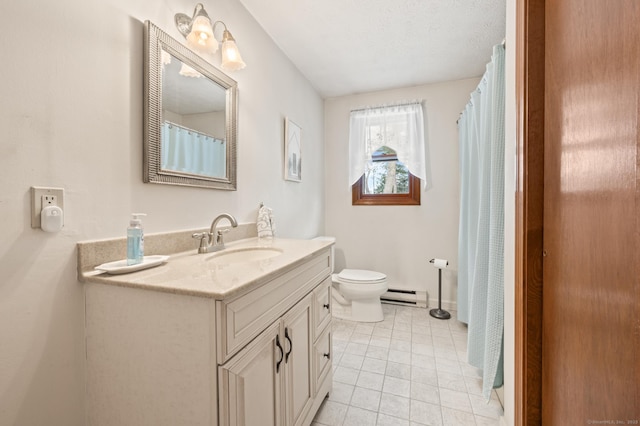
(121, 267)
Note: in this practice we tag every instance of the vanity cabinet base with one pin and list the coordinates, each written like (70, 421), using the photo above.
(259, 358)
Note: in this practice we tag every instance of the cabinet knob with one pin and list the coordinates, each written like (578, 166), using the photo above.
(326, 305)
(327, 355)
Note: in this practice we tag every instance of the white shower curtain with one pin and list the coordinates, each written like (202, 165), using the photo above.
(186, 150)
(481, 229)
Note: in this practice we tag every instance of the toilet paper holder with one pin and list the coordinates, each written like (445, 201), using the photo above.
(439, 313)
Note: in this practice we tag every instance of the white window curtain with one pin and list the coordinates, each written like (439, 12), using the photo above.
(481, 231)
(399, 127)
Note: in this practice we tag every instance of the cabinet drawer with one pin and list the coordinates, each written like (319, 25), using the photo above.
(322, 358)
(241, 319)
(321, 307)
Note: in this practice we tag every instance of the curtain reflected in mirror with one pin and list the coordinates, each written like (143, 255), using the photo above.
(188, 151)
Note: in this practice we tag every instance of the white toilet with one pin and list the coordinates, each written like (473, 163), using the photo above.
(356, 292)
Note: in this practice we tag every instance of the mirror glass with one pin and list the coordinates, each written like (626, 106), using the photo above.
(190, 117)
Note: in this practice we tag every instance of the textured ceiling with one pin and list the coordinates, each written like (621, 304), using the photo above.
(354, 46)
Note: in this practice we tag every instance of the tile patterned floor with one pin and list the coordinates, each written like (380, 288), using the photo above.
(409, 369)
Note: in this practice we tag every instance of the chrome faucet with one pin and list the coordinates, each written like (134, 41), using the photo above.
(213, 241)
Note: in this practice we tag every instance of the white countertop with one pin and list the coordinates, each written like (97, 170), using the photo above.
(194, 274)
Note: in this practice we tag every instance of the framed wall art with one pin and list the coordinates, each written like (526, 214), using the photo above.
(292, 151)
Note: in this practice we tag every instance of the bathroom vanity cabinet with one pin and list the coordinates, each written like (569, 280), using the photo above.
(257, 353)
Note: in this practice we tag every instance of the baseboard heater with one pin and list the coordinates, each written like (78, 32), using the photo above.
(396, 296)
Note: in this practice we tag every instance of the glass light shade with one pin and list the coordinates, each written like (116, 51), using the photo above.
(231, 59)
(201, 36)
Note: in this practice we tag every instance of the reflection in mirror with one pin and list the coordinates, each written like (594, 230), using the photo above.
(193, 121)
(190, 117)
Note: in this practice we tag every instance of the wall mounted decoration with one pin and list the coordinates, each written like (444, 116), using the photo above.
(292, 151)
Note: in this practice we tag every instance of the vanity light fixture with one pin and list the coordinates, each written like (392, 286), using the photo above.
(199, 33)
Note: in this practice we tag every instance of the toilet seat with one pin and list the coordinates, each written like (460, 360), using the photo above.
(357, 293)
(360, 276)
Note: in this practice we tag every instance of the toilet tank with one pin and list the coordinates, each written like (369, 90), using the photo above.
(333, 250)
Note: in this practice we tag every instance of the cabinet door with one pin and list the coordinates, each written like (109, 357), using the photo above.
(250, 383)
(299, 389)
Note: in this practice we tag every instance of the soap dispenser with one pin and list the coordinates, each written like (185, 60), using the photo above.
(135, 240)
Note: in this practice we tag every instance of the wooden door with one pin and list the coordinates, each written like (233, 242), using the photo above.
(298, 371)
(591, 264)
(250, 384)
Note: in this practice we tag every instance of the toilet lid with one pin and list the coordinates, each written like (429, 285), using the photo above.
(361, 276)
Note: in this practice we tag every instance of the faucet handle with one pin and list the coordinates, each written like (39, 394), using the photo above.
(204, 241)
(220, 234)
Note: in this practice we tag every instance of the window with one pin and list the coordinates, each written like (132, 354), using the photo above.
(386, 155)
(387, 181)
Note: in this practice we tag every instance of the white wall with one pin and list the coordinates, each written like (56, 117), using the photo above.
(400, 240)
(211, 123)
(71, 117)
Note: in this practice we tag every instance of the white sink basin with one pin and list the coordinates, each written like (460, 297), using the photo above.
(243, 255)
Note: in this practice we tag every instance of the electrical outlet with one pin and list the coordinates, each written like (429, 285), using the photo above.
(43, 197)
(49, 200)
